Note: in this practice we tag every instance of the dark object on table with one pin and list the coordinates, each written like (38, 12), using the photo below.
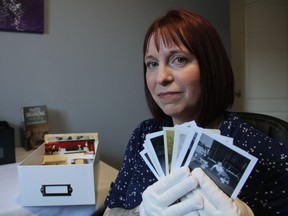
(7, 143)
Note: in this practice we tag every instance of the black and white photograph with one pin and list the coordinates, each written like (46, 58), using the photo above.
(179, 140)
(193, 134)
(144, 154)
(227, 165)
(156, 151)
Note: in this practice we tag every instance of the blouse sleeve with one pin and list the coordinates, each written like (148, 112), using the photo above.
(134, 176)
(267, 185)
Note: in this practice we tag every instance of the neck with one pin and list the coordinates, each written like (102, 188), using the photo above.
(215, 124)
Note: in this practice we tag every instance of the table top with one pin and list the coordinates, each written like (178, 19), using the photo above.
(9, 192)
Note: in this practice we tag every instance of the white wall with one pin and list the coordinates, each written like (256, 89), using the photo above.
(87, 67)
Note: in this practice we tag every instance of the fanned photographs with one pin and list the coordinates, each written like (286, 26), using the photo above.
(189, 145)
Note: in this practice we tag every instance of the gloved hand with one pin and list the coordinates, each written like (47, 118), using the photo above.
(160, 198)
(216, 202)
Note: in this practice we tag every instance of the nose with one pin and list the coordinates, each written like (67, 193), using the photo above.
(164, 75)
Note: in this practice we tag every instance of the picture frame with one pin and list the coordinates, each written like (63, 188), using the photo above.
(22, 16)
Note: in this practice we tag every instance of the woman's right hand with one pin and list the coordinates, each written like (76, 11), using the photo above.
(161, 198)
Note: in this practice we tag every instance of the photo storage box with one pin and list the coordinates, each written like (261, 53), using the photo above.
(64, 170)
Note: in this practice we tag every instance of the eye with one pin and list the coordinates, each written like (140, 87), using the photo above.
(180, 60)
(151, 64)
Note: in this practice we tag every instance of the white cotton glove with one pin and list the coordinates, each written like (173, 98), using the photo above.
(160, 198)
(216, 202)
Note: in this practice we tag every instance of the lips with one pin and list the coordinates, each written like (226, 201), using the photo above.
(168, 95)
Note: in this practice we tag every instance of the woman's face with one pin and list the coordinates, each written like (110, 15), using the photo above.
(173, 79)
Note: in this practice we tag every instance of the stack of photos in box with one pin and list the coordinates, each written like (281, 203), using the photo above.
(189, 145)
(66, 149)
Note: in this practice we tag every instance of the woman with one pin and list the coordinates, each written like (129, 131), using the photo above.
(188, 77)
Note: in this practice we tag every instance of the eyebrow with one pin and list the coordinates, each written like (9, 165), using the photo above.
(148, 57)
(171, 52)
(176, 51)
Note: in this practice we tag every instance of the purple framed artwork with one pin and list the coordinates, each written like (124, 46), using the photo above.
(22, 16)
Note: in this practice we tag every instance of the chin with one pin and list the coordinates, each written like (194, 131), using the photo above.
(171, 113)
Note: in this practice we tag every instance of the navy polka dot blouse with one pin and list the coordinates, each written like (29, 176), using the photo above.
(267, 186)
